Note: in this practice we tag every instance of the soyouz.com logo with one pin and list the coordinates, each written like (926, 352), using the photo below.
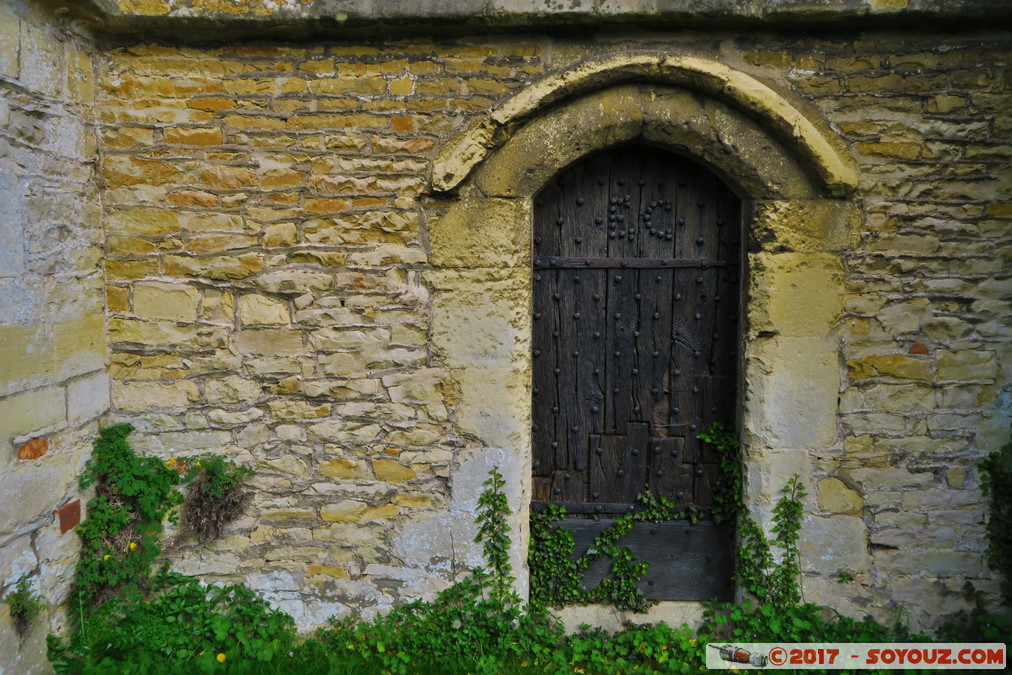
(840, 655)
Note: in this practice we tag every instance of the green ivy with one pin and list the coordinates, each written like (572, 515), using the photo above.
(996, 482)
(557, 577)
(493, 531)
(25, 604)
(728, 497)
(757, 572)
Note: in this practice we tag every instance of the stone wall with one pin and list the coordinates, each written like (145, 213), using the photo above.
(264, 251)
(267, 208)
(53, 382)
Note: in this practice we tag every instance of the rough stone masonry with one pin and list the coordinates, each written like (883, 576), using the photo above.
(221, 224)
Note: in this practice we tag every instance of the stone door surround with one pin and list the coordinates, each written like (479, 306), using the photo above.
(793, 175)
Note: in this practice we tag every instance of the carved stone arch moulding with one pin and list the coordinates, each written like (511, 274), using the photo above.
(793, 175)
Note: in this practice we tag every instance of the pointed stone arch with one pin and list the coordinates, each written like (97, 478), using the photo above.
(793, 177)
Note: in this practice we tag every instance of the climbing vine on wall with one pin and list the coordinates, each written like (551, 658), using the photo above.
(996, 479)
(557, 578)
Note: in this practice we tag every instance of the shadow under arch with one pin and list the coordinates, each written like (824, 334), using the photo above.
(797, 222)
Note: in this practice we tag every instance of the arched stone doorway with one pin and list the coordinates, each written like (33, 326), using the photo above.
(637, 270)
(793, 177)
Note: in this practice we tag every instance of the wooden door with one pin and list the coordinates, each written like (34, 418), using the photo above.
(636, 301)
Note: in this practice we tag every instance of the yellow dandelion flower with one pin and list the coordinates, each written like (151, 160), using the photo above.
(693, 642)
(133, 546)
(220, 657)
(106, 556)
(197, 465)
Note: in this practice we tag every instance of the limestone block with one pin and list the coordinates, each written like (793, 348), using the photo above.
(891, 365)
(393, 471)
(234, 418)
(154, 395)
(210, 222)
(43, 60)
(345, 430)
(261, 310)
(804, 225)
(31, 492)
(417, 501)
(500, 236)
(418, 435)
(58, 555)
(295, 281)
(10, 41)
(254, 434)
(231, 389)
(218, 243)
(767, 473)
(928, 563)
(900, 318)
(184, 443)
(345, 468)
(916, 537)
(287, 464)
(151, 221)
(967, 365)
(80, 345)
(792, 404)
(31, 411)
(219, 268)
(166, 301)
(331, 338)
(165, 334)
(87, 397)
(350, 510)
(891, 478)
(836, 497)
(901, 397)
(269, 341)
(28, 357)
(423, 535)
(947, 328)
(795, 294)
(423, 386)
(298, 410)
(941, 499)
(828, 545)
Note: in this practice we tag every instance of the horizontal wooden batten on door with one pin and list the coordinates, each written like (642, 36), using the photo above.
(555, 262)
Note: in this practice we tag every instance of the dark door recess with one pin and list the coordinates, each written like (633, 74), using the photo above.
(636, 301)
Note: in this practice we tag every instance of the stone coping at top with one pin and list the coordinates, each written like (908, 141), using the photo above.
(205, 19)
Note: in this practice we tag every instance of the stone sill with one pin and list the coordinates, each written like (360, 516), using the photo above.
(361, 18)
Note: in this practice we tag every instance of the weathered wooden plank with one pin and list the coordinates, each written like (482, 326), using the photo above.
(671, 471)
(618, 466)
(559, 262)
(541, 489)
(687, 561)
(705, 484)
(544, 389)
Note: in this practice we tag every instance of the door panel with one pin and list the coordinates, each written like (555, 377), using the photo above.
(636, 300)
